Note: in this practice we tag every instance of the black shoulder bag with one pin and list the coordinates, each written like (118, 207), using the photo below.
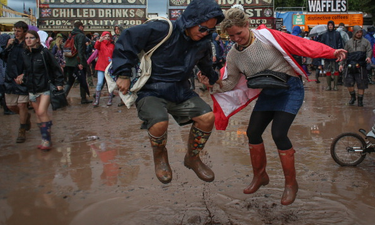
(58, 98)
(268, 79)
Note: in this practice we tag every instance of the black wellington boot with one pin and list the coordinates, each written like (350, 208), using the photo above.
(353, 98)
(360, 100)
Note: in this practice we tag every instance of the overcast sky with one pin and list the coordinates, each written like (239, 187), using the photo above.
(154, 6)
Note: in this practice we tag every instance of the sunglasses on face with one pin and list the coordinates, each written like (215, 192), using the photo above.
(31, 38)
(203, 29)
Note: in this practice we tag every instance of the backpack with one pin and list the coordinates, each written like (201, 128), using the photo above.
(69, 48)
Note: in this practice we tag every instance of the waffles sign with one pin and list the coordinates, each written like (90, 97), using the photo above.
(327, 6)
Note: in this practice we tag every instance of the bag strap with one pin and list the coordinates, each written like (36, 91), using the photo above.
(45, 65)
(149, 53)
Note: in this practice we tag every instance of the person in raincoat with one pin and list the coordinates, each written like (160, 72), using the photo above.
(354, 68)
(256, 51)
(333, 39)
(168, 89)
(105, 47)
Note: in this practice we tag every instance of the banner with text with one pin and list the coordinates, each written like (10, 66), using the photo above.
(335, 6)
(92, 18)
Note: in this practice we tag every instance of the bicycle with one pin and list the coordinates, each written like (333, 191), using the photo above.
(350, 149)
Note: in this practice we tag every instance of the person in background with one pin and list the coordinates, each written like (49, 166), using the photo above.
(16, 95)
(76, 66)
(168, 90)
(355, 72)
(333, 39)
(58, 53)
(257, 51)
(105, 47)
(345, 38)
(40, 67)
(53, 42)
(117, 29)
(3, 43)
(370, 36)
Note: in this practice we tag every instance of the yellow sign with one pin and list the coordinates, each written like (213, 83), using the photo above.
(4, 2)
(347, 19)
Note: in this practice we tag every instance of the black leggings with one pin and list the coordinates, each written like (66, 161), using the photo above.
(280, 126)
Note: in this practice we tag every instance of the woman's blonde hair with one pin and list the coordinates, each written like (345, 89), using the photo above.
(58, 42)
(234, 17)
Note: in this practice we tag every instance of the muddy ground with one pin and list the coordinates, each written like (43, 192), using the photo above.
(111, 180)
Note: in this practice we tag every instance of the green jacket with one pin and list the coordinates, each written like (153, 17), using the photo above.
(80, 44)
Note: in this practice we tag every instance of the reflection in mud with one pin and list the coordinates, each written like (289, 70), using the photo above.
(111, 180)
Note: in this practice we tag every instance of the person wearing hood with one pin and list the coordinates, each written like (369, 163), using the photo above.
(77, 65)
(354, 68)
(40, 67)
(16, 95)
(105, 48)
(168, 89)
(333, 39)
(117, 29)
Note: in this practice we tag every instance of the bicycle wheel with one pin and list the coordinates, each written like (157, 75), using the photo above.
(343, 149)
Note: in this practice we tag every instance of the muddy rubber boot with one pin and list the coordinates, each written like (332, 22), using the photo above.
(353, 97)
(45, 130)
(109, 103)
(258, 161)
(335, 81)
(360, 100)
(162, 169)
(84, 100)
(291, 185)
(329, 81)
(196, 143)
(97, 99)
(21, 134)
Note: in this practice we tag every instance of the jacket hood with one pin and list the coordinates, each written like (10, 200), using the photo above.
(121, 27)
(333, 23)
(199, 11)
(106, 32)
(356, 28)
(296, 30)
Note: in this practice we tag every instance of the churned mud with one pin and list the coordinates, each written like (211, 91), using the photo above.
(111, 180)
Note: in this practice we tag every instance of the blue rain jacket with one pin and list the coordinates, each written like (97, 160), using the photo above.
(174, 60)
